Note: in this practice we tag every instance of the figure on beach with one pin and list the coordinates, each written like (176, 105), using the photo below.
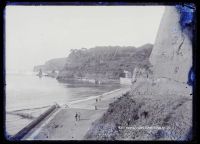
(56, 104)
(40, 73)
(76, 116)
(95, 107)
(100, 98)
(96, 100)
(79, 116)
(66, 106)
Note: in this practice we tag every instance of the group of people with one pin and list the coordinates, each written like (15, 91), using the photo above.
(77, 116)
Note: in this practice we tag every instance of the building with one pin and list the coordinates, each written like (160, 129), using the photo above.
(127, 79)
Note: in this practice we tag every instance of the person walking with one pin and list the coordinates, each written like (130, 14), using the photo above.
(79, 116)
(76, 116)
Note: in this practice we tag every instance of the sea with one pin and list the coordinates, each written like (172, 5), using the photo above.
(26, 91)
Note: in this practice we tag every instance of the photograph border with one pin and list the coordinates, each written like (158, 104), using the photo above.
(3, 75)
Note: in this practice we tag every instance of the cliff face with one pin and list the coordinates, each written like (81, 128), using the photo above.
(163, 103)
(53, 64)
(104, 62)
(172, 52)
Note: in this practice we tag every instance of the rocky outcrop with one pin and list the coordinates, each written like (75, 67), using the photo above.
(53, 64)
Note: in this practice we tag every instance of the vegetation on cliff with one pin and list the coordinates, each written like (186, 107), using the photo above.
(104, 61)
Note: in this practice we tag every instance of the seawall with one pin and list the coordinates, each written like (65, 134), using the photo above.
(26, 129)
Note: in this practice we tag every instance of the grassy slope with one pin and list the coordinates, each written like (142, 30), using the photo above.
(143, 108)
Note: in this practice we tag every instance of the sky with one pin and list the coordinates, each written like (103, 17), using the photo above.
(35, 34)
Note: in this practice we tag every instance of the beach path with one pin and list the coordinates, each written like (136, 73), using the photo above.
(63, 125)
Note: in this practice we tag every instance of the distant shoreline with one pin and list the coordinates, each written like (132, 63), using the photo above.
(88, 80)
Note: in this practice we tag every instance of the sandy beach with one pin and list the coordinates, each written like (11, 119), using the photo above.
(62, 125)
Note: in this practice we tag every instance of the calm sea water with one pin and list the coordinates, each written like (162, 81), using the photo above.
(30, 91)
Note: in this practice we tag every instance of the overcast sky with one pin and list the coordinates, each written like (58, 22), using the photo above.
(35, 34)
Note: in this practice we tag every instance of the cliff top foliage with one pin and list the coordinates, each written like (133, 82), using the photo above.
(109, 61)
